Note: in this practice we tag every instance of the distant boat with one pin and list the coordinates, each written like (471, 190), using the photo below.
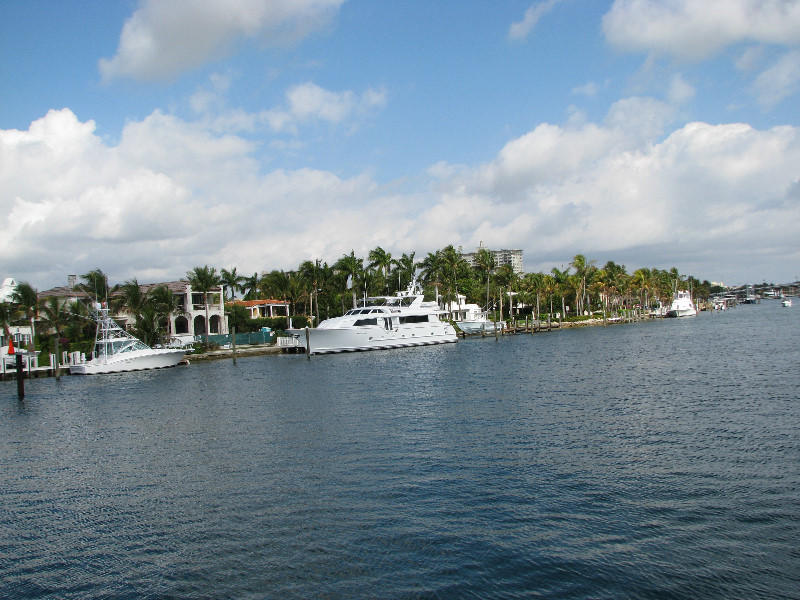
(787, 302)
(682, 306)
(382, 322)
(750, 298)
(470, 319)
(116, 351)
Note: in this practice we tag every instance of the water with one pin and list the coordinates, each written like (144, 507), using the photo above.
(654, 460)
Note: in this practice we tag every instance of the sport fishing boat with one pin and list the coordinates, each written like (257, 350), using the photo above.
(115, 350)
(381, 322)
(682, 306)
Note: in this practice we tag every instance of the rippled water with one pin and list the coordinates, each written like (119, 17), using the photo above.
(655, 460)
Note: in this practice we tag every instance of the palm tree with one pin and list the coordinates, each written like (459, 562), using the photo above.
(134, 297)
(232, 280)
(165, 304)
(96, 285)
(406, 268)
(382, 260)
(485, 263)
(560, 283)
(312, 274)
(286, 285)
(352, 267)
(506, 279)
(583, 270)
(249, 287)
(203, 280)
(452, 263)
(6, 316)
(54, 316)
(26, 298)
(433, 270)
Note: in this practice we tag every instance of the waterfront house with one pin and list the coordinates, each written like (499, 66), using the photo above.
(190, 318)
(265, 307)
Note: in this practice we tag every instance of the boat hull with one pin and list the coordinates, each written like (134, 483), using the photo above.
(134, 361)
(473, 327)
(686, 312)
(359, 339)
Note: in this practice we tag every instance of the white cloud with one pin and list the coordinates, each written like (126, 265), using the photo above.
(751, 58)
(162, 39)
(709, 195)
(779, 81)
(174, 194)
(170, 196)
(535, 12)
(588, 89)
(680, 90)
(692, 30)
(308, 102)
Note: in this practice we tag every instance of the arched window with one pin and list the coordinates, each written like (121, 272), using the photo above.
(181, 325)
(199, 325)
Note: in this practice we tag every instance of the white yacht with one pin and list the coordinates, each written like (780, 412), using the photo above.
(382, 322)
(682, 306)
(115, 350)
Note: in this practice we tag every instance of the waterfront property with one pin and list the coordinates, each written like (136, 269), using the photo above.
(189, 318)
(266, 307)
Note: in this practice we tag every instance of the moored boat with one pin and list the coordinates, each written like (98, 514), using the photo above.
(682, 305)
(116, 351)
(380, 323)
(470, 318)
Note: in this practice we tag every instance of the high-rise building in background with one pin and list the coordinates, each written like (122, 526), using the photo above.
(501, 257)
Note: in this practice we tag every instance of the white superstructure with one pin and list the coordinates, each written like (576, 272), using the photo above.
(383, 322)
(115, 350)
(682, 305)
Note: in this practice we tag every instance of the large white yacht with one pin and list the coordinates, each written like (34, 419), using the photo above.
(382, 322)
(682, 305)
(115, 350)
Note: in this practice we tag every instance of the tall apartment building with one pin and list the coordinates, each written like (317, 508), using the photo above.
(501, 257)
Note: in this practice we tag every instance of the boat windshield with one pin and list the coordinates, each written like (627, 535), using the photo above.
(112, 347)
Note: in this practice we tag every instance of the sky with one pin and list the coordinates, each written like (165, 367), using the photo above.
(149, 137)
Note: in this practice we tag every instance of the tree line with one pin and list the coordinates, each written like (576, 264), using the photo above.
(321, 290)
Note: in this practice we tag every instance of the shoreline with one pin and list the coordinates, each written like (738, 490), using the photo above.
(266, 350)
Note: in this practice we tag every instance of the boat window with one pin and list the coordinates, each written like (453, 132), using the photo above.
(365, 322)
(414, 319)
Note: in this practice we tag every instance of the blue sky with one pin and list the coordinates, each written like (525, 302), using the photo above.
(146, 138)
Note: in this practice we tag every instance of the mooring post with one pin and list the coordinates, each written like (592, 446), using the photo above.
(20, 377)
(308, 345)
(233, 342)
(56, 370)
